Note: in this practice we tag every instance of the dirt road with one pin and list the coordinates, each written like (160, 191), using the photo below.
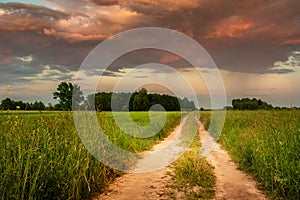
(231, 183)
(150, 185)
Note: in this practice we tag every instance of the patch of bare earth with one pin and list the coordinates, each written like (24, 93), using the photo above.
(231, 183)
(151, 185)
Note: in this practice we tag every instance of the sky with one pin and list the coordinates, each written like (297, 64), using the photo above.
(254, 43)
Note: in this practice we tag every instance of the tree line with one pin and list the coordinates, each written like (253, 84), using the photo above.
(137, 101)
(69, 95)
(254, 104)
(250, 104)
(9, 104)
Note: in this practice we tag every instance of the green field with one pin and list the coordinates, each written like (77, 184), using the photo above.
(265, 144)
(43, 157)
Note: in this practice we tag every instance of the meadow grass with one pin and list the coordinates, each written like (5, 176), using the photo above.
(135, 144)
(193, 176)
(266, 144)
(42, 156)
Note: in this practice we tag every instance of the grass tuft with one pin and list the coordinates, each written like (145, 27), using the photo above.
(193, 176)
(42, 156)
(266, 144)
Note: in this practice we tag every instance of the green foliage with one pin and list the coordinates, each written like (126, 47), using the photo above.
(250, 104)
(135, 144)
(141, 101)
(9, 104)
(266, 144)
(137, 101)
(193, 175)
(42, 157)
(66, 92)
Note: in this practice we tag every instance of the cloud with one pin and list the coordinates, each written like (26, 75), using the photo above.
(26, 59)
(292, 64)
(232, 27)
(56, 73)
(281, 71)
(241, 36)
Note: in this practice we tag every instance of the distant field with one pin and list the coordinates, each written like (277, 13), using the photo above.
(266, 144)
(42, 155)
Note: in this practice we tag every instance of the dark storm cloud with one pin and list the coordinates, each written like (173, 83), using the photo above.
(240, 35)
(104, 2)
(47, 49)
(245, 36)
(30, 10)
(281, 71)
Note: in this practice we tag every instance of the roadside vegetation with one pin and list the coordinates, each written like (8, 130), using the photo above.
(192, 176)
(266, 144)
(42, 156)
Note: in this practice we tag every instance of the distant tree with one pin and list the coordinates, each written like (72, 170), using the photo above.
(137, 101)
(141, 101)
(49, 107)
(103, 101)
(8, 104)
(250, 104)
(28, 106)
(66, 92)
(38, 105)
(21, 105)
(187, 104)
(57, 107)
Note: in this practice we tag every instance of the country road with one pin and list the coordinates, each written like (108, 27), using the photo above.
(231, 183)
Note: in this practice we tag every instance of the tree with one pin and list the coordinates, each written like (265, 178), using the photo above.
(141, 101)
(66, 92)
(250, 104)
(38, 105)
(8, 104)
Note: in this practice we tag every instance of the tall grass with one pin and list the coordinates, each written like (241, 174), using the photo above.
(44, 158)
(266, 144)
(193, 176)
(135, 144)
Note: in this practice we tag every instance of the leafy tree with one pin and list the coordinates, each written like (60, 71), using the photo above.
(138, 101)
(21, 105)
(250, 104)
(141, 101)
(38, 105)
(8, 104)
(65, 92)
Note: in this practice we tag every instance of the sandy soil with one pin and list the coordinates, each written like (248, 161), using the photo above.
(231, 183)
(150, 185)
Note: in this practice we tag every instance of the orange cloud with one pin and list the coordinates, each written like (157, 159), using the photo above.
(291, 41)
(232, 27)
(167, 58)
(169, 5)
(72, 37)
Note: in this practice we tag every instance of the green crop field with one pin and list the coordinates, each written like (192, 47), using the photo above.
(43, 157)
(265, 144)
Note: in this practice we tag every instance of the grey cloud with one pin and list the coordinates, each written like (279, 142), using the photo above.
(140, 76)
(104, 2)
(281, 71)
(111, 74)
(255, 51)
(32, 11)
